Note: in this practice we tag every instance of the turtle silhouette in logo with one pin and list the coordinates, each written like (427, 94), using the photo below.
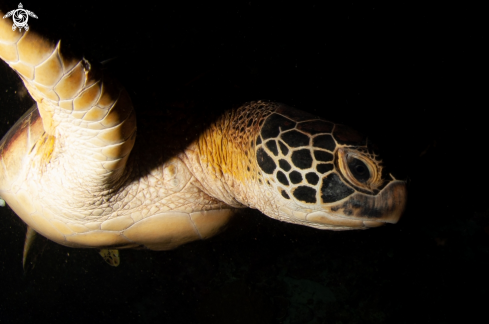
(20, 17)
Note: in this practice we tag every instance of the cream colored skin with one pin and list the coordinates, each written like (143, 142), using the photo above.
(70, 175)
(84, 194)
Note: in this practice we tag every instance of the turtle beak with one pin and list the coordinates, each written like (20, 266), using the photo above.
(385, 207)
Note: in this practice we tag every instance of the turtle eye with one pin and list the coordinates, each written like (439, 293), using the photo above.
(359, 170)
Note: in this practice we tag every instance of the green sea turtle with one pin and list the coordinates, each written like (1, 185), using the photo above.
(20, 17)
(73, 170)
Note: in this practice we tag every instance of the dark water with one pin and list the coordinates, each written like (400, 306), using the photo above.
(404, 74)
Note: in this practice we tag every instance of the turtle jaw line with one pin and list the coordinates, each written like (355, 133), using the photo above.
(371, 224)
(352, 222)
(367, 222)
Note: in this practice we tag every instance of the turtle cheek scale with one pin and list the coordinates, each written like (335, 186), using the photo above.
(304, 177)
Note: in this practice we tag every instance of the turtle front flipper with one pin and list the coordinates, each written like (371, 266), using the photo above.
(70, 174)
(90, 112)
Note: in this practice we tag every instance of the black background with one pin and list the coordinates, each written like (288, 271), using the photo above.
(408, 75)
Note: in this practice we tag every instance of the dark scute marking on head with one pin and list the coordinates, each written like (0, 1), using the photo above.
(314, 127)
(282, 178)
(285, 194)
(378, 206)
(302, 159)
(347, 136)
(312, 178)
(295, 139)
(305, 194)
(325, 142)
(323, 168)
(283, 148)
(258, 140)
(363, 206)
(323, 156)
(295, 177)
(248, 168)
(266, 163)
(333, 189)
(250, 122)
(284, 165)
(372, 146)
(272, 146)
(274, 125)
(294, 114)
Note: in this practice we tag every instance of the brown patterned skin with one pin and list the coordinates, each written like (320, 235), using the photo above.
(73, 170)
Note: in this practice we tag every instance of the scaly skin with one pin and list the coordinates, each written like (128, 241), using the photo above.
(80, 193)
(73, 170)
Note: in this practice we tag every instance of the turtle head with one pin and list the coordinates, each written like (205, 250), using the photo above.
(323, 175)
